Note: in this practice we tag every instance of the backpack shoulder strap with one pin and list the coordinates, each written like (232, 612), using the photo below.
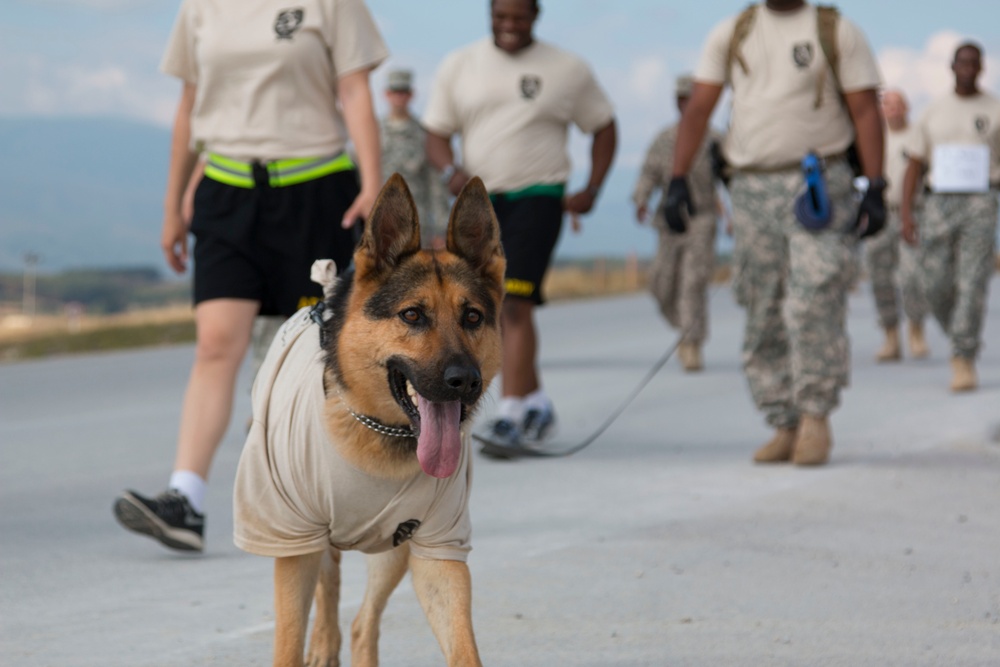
(740, 31)
(827, 20)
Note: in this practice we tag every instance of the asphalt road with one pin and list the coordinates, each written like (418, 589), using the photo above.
(660, 544)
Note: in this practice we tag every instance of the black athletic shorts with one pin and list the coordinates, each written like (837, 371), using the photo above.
(259, 243)
(529, 230)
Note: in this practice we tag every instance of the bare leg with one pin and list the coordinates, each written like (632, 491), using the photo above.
(385, 571)
(294, 582)
(223, 327)
(324, 645)
(519, 376)
(444, 588)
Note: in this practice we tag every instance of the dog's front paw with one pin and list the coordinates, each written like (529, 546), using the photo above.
(319, 658)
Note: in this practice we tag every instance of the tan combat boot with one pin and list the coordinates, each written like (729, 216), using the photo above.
(963, 374)
(890, 348)
(690, 356)
(918, 345)
(778, 449)
(813, 442)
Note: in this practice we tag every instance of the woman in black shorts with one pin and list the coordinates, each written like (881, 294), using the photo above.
(270, 98)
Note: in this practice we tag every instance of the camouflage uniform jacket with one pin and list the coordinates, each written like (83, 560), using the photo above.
(403, 152)
(658, 168)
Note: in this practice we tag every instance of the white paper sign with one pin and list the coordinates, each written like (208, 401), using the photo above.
(961, 168)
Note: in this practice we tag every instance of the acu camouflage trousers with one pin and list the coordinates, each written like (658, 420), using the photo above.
(885, 254)
(680, 275)
(794, 284)
(957, 235)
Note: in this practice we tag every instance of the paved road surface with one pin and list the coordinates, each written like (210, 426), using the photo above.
(658, 545)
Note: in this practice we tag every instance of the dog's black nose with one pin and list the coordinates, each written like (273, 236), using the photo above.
(464, 379)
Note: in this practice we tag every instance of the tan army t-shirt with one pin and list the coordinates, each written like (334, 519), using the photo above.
(266, 72)
(294, 494)
(962, 121)
(513, 111)
(773, 120)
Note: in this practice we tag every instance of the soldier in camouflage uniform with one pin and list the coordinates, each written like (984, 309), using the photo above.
(883, 252)
(958, 226)
(790, 97)
(403, 152)
(684, 262)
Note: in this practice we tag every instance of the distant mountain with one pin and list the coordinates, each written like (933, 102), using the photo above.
(85, 192)
(81, 192)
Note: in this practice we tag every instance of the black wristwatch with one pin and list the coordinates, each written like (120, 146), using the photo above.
(593, 191)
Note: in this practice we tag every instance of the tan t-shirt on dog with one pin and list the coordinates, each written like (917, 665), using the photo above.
(267, 72)
(773, 120)
(513, 112)
(295, 494)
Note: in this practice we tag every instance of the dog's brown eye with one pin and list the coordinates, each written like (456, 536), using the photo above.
(411, 316)
(473, 318)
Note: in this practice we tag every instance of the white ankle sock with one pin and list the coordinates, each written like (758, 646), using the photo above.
(512, 408)
(190, 485)
(537, 399)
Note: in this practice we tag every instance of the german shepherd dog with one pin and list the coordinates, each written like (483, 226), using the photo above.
(409, 342)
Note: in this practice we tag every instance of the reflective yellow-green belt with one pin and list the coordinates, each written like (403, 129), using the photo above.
(277, 173)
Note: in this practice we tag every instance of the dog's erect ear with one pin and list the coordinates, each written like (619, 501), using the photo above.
(392, 231)
(473, 231)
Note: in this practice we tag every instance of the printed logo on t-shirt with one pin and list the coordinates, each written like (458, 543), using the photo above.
(982, 124)
(288, 21)
(802, 54)
(405, 531)
(531, 85)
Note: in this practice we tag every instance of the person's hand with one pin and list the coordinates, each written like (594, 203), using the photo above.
(360, 209)
(871, 211)
(457, 182)
(640, 213)
(580, 202)
(909, 228)
(678, 198)
(173, 240)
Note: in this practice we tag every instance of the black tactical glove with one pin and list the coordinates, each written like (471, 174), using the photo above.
(678, 197)
(871, 212)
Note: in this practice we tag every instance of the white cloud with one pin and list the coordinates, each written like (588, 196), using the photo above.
(925, 74)
(647, 77)
(42, 87)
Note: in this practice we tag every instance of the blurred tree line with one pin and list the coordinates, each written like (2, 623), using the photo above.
(99, 290)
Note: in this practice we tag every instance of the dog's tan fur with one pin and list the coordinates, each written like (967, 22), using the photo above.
(468, 274)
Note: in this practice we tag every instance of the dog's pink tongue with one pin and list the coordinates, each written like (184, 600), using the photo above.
(439, 444)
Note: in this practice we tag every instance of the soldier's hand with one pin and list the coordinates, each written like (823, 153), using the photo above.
(871, 212)
(640, 214)
(457, 182)
(678, 198)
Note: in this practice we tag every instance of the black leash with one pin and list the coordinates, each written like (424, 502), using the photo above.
(521, 451)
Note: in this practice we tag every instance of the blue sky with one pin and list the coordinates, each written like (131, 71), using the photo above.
(100, 57)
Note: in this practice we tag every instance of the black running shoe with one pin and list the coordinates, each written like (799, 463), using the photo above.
(168, 518)
(500, 439)
(539, 425)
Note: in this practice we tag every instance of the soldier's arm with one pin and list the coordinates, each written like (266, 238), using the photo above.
(863, 107)
(694, 124)
(914, 174)
(442, 156)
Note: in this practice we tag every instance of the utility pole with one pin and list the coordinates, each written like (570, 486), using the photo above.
(31, 260)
